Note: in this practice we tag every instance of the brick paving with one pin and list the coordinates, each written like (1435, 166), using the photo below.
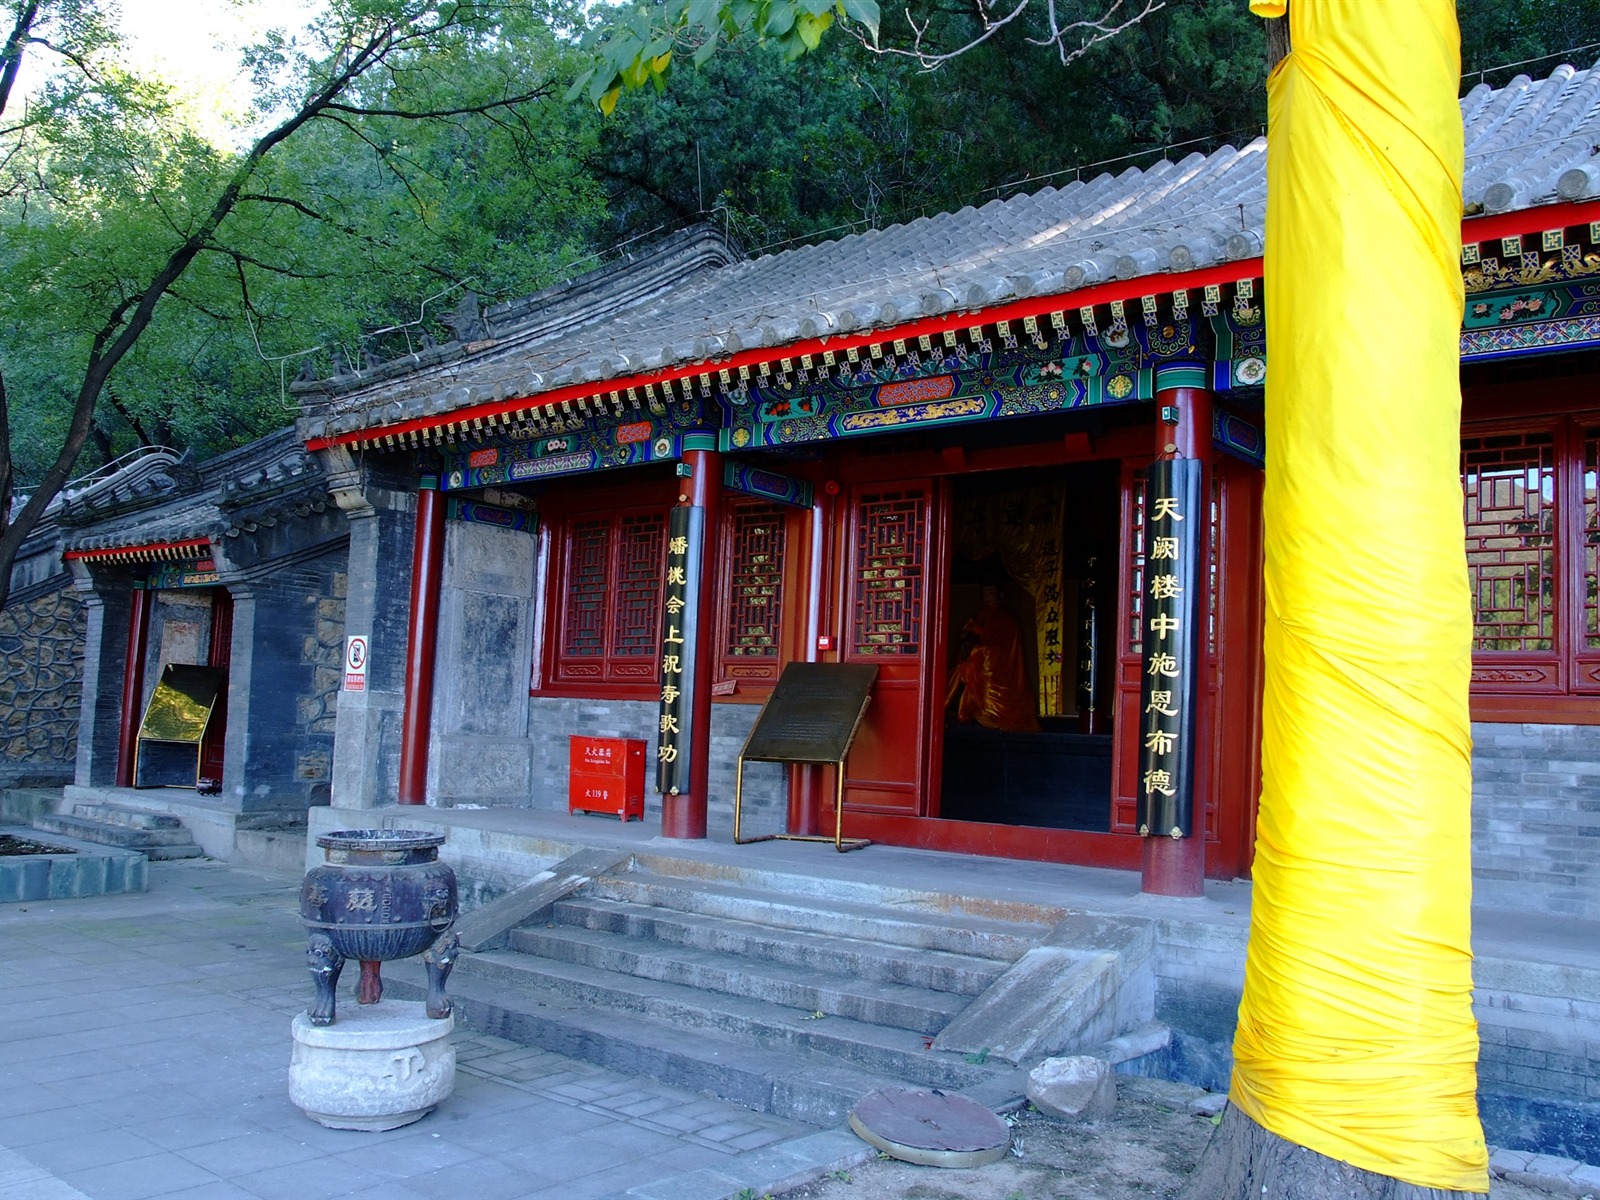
(145, 1052)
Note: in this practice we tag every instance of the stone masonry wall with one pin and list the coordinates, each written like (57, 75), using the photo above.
(1536, 818)
(323, 651)
(41, 680)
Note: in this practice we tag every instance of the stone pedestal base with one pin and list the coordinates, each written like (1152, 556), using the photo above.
(377, 1067)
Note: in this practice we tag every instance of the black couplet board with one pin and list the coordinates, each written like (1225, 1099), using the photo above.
(812, 713)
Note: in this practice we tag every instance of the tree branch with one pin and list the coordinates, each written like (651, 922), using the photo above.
(11, 56)
(356, 110)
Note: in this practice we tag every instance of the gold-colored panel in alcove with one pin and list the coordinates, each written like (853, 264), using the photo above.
(181, 707)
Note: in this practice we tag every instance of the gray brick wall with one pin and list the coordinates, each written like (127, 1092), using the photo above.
(552, 721)
(284, 680)
(41, 680)
(1536, 818)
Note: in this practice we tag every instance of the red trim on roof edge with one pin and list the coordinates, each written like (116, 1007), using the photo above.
(141, 548)
(1015, 310)
(1529, 220)
(1473, 229)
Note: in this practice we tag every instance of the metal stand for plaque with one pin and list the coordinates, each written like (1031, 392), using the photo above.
(811, 717)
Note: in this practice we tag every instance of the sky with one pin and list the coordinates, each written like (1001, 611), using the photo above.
(195, 47)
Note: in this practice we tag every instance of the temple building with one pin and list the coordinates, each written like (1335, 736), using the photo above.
(1009, 457)
(965, 452)
(206, 604)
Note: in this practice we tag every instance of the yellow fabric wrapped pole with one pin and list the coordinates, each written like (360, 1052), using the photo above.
(1356, 1036)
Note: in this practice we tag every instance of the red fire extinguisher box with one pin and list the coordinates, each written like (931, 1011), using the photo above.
(606, 775)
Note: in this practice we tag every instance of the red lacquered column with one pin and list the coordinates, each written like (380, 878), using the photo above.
(133, 683)
(427, 571)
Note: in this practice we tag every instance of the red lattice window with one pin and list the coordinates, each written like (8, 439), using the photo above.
(583, 632)
(1591, 539)
(757, 543)
(891, 546)
(1512, 518)
(611, 602)
(636, 610)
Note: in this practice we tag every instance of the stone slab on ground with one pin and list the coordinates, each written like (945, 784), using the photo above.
(1075, 1088)
(489, 925)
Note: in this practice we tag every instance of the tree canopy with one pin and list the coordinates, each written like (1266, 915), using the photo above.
(443, 160)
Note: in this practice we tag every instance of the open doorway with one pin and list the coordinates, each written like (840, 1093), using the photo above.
(1029, 679)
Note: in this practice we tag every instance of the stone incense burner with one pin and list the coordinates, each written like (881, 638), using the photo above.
(381, 894)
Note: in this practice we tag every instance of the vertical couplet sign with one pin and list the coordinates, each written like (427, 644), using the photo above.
(680, 618)
(1173, 638)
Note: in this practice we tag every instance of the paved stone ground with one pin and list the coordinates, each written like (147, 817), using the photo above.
(144, 1052)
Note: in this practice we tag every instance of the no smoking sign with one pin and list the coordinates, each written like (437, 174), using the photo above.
(355, 663)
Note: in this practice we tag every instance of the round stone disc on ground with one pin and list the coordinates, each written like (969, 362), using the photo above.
(930, 1127)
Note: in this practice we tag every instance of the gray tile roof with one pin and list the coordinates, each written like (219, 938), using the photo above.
(1528, 144)
(168, 500)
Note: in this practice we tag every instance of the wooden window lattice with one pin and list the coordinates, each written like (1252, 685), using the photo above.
(756, 594)
(585, 617)
(1511, 516)
(1591, 539)
(635, 630)
(891, 543)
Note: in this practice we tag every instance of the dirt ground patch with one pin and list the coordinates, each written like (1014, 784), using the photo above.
(1144, 1152)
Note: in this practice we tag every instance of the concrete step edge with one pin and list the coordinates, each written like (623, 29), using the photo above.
(862, 1045)
(117, 814)
(982, 937)
(836, 994)
(792, 1085)
(936, 970)
(114, 834)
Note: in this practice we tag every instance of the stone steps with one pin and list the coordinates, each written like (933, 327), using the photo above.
(855, 956)
(922, 1010)
(153, 834)
(904, 928)
(796, 1003)
(765, 1056)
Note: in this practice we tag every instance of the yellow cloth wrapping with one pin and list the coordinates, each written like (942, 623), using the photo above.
(1356, 1036)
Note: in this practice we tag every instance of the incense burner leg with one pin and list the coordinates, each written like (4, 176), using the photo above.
(369, 988)
(438, 959)
(325, 963)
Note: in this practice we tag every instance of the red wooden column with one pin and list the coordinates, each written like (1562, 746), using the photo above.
(427, 571)
(133, 683)
(1177, 866)
(684, 815)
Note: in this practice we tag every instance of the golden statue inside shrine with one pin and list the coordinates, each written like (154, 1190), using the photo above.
(989, 684)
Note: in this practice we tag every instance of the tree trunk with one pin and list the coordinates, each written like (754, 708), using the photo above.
(1243, 1161)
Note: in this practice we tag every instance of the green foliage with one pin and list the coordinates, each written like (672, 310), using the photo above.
(339, 231)
(634, 46)
(1498, 32)
(853, 139)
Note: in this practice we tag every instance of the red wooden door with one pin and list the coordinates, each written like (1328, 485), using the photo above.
(888, 557)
